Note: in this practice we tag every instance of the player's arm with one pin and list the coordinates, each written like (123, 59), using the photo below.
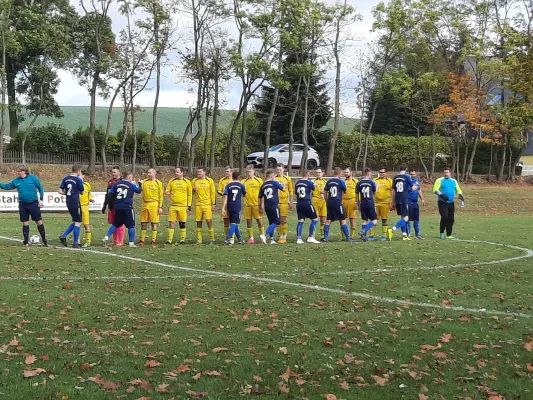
(213, 194)
(459, 191)
(221, 187)
(90, 193)
(392, 199)
(357, 198)
(421, 195)
(167, 189)
(8, 186)
(189, 195)
(436, 187)
(61, 189)
(290, 189)
(40, 188)
(136, 188)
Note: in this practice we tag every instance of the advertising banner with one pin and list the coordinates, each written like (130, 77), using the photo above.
(53, 201)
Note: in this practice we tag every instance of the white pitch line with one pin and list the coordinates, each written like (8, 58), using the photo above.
(365, 296)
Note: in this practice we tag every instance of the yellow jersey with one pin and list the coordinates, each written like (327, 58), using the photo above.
(383, 192)
(319, 188)
(205, 191)
(252, 186)
(180, 192)
(286, 181)
(86, 196)
(222, 184)
(152, 191)
(350, 194)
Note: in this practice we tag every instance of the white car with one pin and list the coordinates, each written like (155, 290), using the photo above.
(279, 154)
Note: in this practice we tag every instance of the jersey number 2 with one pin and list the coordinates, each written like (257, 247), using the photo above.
(122, 193)
(269, 193)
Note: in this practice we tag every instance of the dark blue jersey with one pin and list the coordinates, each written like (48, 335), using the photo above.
(269, 191)
(235, 191)
(304, 190)
(72, 185)
(335, 187)
(366, 188)
(123, 191)
(401, 184)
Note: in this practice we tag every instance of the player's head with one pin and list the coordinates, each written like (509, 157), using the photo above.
(337, 172)
(250, 171)
(280, 169)
(22, 170)
(402, 168)
(128, 175)
(412, 172)
(447, 172)
(305, 174)
(367, 173)
(200, 172)
(348, 173)
(83, 173)
(178, 172)
(235, 175)
(115, 172)
(76, 169)
(383, 172)
(270, 174)
(228, 171)
(319, 172)
(151, 173)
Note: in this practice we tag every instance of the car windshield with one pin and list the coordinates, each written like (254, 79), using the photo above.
(276, 147)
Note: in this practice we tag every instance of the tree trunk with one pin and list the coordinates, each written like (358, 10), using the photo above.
(490, 162)
(503, 161)
(433, 150)
(234, 125)
(305, 141)
(12, 101)
(244, 133)
(108, 129)
(135, 138)
(214, 122)
(420, 152)
(291, 125)
(206, 136)
(156, 102)
(454, 155)
(3, 88)
(515, 161)
(458, 161)
(186, 133)
(125, 129)
(92, 122)
(194, 140)
(465, 159)
(360, 129)
(472, 155)
(271, 113)
(368, 131)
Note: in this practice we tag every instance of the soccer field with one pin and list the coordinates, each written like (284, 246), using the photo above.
(425, 319)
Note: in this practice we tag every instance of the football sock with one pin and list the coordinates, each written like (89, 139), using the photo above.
(226, 230)
(408, 228)
(121, 232)
(76, 234)
(299, 229)
(399, 225)
(26, 233)
(384, 229)
(373, 231)
(88, 237)
(183, 234)
(42, 232)
(326, 232)
(270, 230)
(261, 230)
(251, 232)
(170, 235)
(199, 234)
(363, 228)
(346, 231)
(371, 225)
(312, 228)
(154, 235)
(68, 230)
(417, 228)
(211, 232)
(131, 235)
(111, 231)
(230, 231)
(237, 232)
(352, 231)
(322, 230)
(143, 235)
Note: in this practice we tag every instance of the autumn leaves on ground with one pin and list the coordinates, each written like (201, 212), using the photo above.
(337, 321)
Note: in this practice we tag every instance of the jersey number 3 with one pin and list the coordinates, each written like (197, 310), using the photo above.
(301, 192)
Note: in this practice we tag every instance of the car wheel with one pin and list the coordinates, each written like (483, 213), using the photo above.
(311, 164)
(272, 163)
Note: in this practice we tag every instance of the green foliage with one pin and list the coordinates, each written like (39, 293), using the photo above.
(49, 139)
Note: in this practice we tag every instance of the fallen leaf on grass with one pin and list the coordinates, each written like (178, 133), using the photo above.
(253, 329)
(152, 363)
(480, 346)
(499, 296)
(30, 360)
(30, 372)
(330, 396)
(379, 380)
(344, 385)
(219, 349)
(422, 396)
(300, 382)
(283, 350)
(446, 338)
(14, 342)
(530, 367)
(162, 388)
(528, 346)
(445, 303)
(283, 388)
(196, 395)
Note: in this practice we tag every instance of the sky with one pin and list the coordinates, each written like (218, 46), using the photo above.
(178, 94)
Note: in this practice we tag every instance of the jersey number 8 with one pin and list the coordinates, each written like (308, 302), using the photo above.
(399, 187)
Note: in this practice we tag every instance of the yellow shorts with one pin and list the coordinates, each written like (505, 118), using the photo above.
(251, 212)
(320, 207)
(150, 213)
(383, 210)
(349, 208)
(177, 213)
(202, 212)
(284, 209)
(85, 220)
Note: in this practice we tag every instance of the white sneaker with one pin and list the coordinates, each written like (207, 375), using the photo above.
(263, 238)
(132, 244)
(299, 241)
(232, 241)
(272, 241)
(312, 240)
(105, 240)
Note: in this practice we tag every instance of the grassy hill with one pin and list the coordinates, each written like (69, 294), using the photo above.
(169, 120)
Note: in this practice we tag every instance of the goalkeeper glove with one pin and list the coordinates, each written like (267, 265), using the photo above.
(444, 197)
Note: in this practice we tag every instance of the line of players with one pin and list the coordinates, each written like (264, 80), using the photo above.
(319, 200)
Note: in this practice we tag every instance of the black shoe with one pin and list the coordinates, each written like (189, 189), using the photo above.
(25, 243)
(63, 241)
(182, 242)
(75, 246)
(167, 242)
(45, 243)
(324, 240)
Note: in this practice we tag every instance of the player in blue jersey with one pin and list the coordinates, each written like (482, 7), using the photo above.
(414, 208)
(333, 191)
(72, 187)
(446, 188)
(269, 205)
(123, 192)
(401, 184)
(365, 189)
(304, 207)
(233, 193)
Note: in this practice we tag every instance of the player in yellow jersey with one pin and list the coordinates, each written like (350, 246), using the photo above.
(318, 197)
(252, 184)
(204, 204)
(285, 201)
(152, 204)
(382, 199)
(220, 190)
(180, 191)
(349, 200)
(85, 198)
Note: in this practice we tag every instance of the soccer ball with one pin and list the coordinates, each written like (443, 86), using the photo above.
(34, 239)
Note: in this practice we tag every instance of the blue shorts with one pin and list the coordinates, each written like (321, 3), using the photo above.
(402, 210)
(305, 210)
(368, 213)
(27, 210)
(335, 212)
(124, 217)
(75, 213)
(234, 215)
(414, 212)
(272, 215)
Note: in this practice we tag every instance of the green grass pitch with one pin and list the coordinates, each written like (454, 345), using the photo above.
(425, 319)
